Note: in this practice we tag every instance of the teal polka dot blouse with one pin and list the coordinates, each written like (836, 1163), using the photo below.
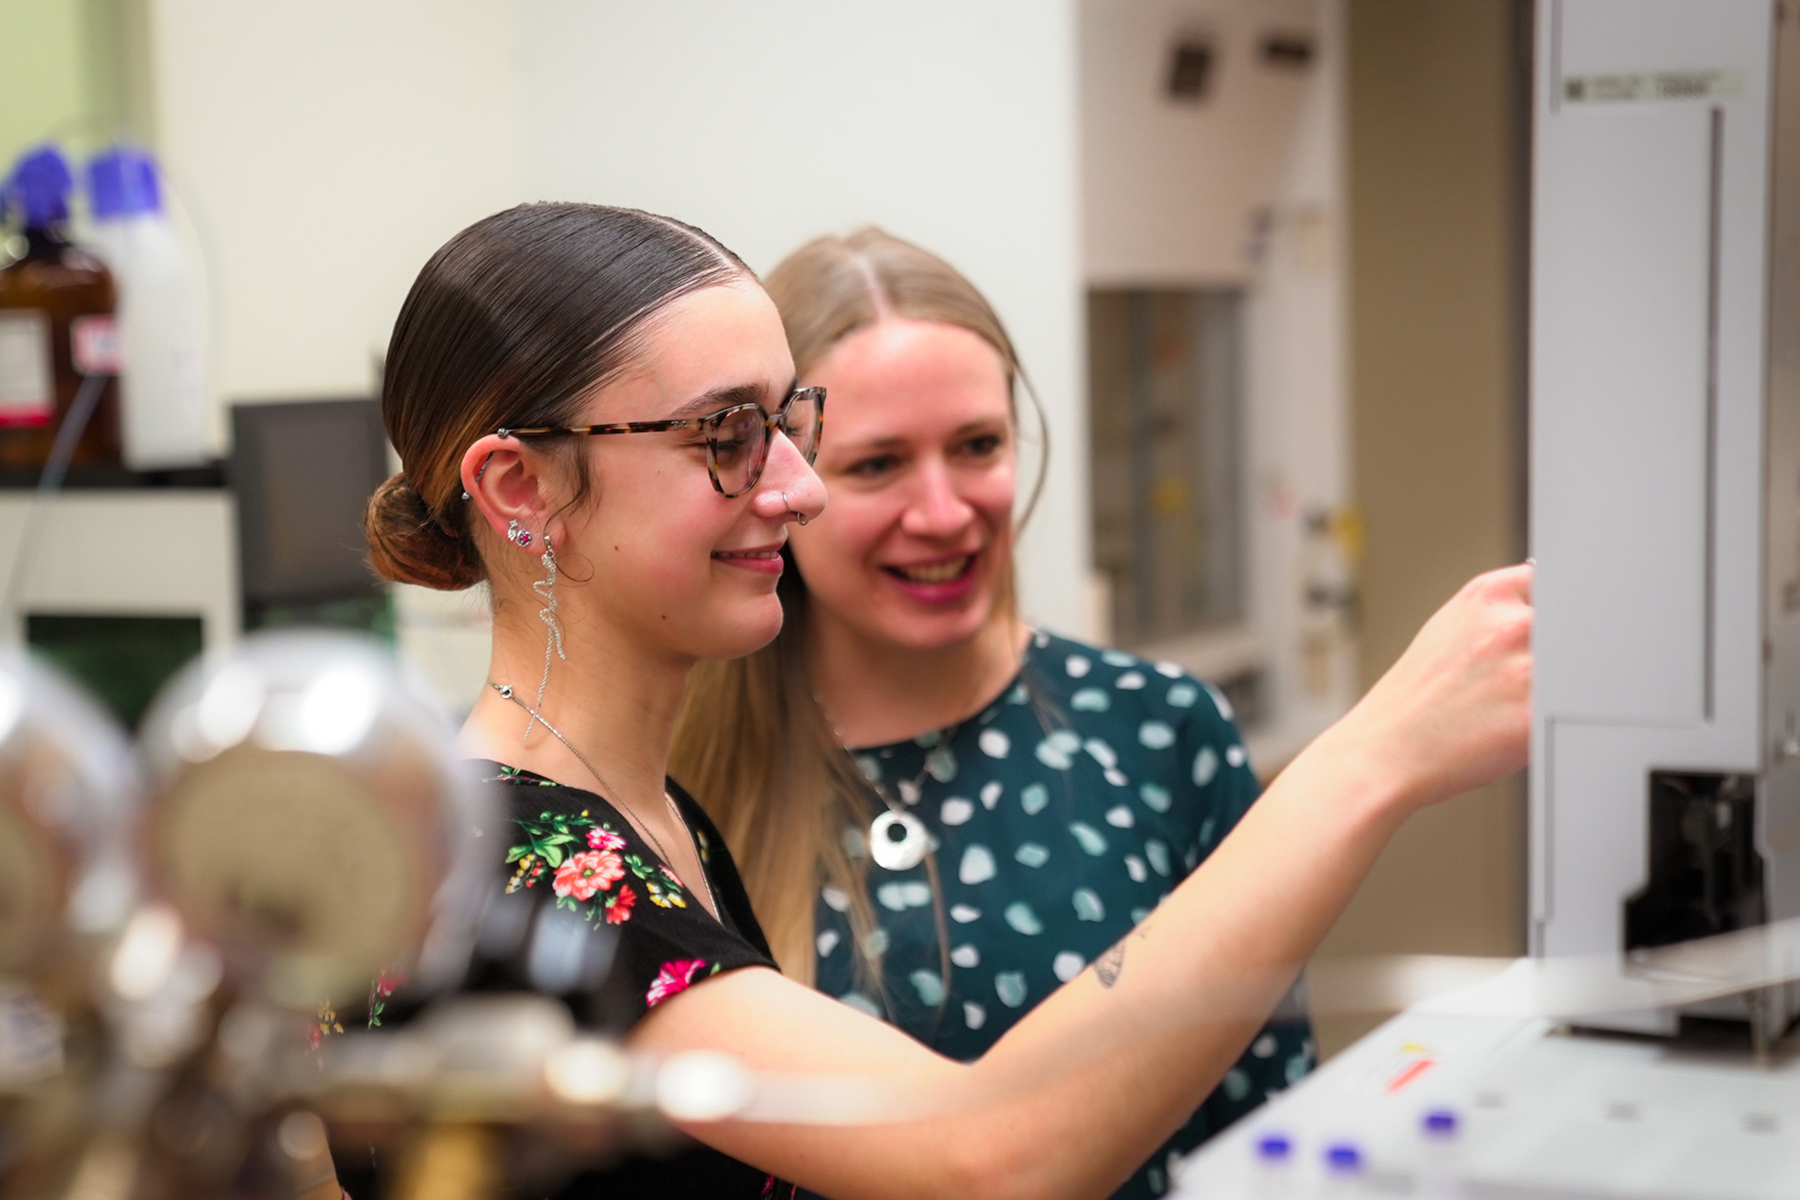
(1060, 816)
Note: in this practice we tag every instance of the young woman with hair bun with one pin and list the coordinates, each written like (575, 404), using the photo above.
(618, 563)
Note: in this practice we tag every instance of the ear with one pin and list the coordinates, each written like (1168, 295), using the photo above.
(505, 479)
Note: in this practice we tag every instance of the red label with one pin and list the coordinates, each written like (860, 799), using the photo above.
(94, 344)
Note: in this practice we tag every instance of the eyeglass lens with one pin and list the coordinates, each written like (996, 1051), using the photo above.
(740, 443)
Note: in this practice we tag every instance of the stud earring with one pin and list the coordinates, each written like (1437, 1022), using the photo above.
(516, 535)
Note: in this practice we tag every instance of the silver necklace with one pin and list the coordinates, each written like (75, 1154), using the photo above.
(898, 840)
(611, 793)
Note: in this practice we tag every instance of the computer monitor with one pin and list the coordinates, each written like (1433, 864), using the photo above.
(303, 473)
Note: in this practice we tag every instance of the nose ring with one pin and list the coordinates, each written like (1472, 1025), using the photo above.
(799, 519)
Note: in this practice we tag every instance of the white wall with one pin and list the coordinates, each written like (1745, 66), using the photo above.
(1170, 189)
(323, 150)
(326, 148)
(948, 122)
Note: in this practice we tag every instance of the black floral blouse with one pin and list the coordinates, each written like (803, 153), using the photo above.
(1060, 815)
(571, 852)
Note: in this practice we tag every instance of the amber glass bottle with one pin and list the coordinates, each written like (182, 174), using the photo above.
(56, 326)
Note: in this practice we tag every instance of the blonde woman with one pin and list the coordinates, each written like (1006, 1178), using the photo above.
(597, 413)
(942, 814)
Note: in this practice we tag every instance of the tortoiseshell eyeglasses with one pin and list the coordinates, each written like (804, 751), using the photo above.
(737, 438)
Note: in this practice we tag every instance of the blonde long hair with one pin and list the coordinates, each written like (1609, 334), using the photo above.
(752, 742)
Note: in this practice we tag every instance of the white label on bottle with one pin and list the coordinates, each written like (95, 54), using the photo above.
(27, 372)
(94, 344)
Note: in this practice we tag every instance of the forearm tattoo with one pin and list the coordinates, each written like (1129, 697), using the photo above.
(1110, 963)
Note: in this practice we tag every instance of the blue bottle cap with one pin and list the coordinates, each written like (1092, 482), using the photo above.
(1274, 1147)
(122, 183)
(1440, 1124)
(39, 185)
(1343, 1158)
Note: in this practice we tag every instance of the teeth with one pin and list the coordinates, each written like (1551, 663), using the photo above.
(937, 573)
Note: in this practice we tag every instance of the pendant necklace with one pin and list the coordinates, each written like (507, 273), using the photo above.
(898, 840)
(611, 794)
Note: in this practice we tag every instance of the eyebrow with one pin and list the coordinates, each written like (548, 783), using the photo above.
(711, 402)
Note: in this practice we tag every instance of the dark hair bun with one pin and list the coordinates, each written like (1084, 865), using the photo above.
(407, 544)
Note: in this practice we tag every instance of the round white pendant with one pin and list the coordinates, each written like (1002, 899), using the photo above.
(897, 841)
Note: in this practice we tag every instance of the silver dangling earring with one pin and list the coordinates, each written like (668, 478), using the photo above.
(546, 590)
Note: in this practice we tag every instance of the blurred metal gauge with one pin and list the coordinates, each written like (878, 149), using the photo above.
(308, 816)
(69, 791)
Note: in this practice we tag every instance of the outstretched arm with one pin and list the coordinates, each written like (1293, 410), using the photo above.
(1074, 1097)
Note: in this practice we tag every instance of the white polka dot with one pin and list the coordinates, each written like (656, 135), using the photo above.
(928, 985)
(909, 791)
(1220, 702)
(870, 766)
(1206, 765)
(1236, 1084)
(994, 743)
(1264, 1046)
(1169, 670)
(1087, 905)
(1033, 797)
(1010, 987)
(1115, 777)
(990, 794)
(835, 898)
(1040, 639)
(891, 897)
(1183, 695)
(965, 956)
(956, 811)
(1156, 735)
(1053, 755)
(1101, 752)
(1090, 839)
(1130, 681)
(1067, 965)
(827, 942)
(861, 1004)
(1156, 798)
(962, 914)
(1297, 1067)
(1235, 755)
(1116, 658)
(1019, 915)
(1031, 854)
(1158, 854)
(1090, 700)
(1077, 666)
(974, 1016)
(1134, 867)
(940, 764)
(1119, 817)
(1138, 915)
(1206, 830)
(977, 865)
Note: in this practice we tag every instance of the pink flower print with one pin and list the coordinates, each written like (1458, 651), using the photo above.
(588, 872)
(673, 979)
(385, 983)
(672, 877)
(605, 839)
(618, 906)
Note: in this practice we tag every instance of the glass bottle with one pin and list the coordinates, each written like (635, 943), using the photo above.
(56, 326)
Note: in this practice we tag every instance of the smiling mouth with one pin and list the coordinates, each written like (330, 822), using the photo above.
(748, 554)
(938, 572)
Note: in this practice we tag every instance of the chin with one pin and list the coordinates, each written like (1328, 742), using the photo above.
(745, 629)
